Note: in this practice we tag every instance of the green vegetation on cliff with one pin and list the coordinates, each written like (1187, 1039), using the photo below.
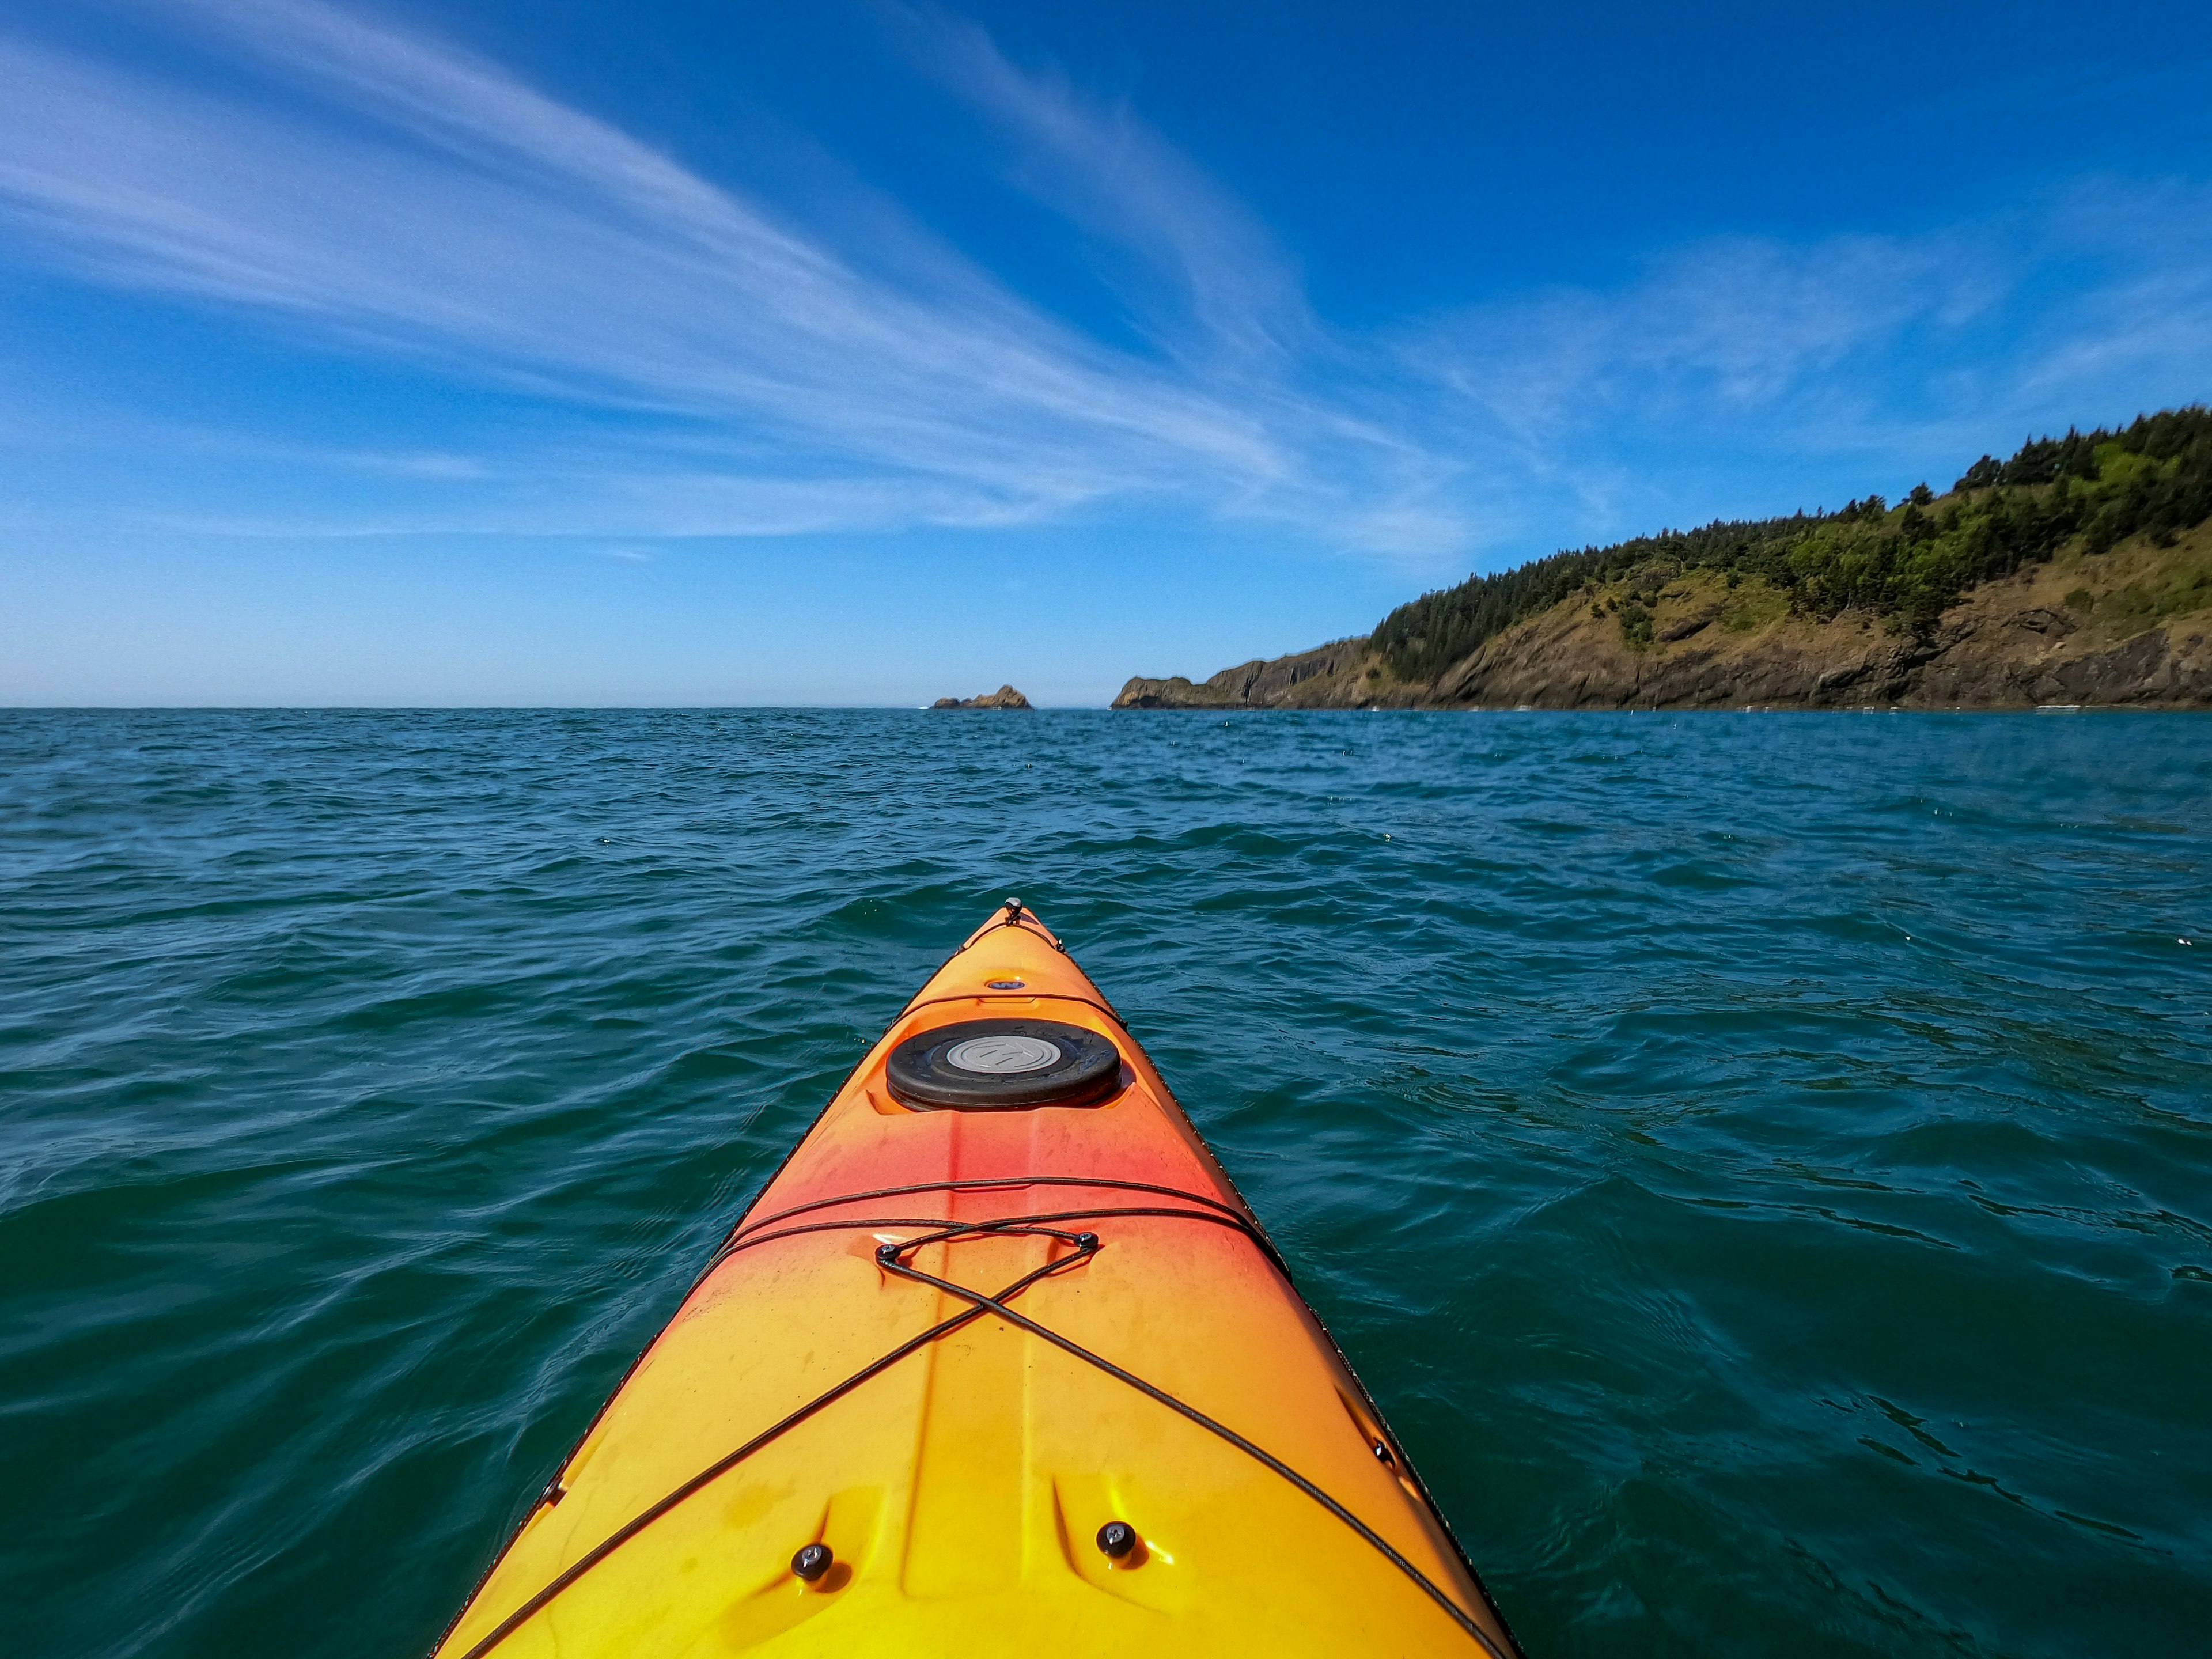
(1910, 562)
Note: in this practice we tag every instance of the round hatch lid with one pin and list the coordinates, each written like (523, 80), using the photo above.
(993, 1064)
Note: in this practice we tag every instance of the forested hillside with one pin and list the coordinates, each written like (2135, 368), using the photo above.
(1910, 562)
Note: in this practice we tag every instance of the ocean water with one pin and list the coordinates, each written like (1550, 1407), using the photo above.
(1762, 1164)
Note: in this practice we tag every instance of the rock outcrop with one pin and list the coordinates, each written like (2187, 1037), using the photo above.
(1297, 682)
(2132, 627)
(1005, 697)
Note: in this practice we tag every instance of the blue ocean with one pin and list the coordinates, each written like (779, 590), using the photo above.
(1760, 1164)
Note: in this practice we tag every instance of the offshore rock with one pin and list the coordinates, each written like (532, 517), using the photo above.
(1005, 697)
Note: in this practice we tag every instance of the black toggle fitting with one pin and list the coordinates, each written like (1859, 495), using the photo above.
(1087, 1240)
(1117, 1539)
(888, 1255)
(812, 1561)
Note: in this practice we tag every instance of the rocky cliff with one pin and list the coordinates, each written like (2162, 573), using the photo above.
(1310, 679)
(2129, 627)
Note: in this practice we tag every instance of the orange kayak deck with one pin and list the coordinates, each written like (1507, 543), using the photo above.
(954, 1348)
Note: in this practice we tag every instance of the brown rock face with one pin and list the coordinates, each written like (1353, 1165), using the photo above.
(1328, 677)
(2132, 627)
(1005, 697)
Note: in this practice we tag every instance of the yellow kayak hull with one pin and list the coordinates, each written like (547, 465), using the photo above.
(953, 1347)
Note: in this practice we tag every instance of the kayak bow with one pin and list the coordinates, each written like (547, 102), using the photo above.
(998, 1362)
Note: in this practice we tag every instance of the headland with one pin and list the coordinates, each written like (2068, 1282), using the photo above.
(2078, 572)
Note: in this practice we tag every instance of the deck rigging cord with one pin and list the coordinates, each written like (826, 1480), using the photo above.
(891, 1257)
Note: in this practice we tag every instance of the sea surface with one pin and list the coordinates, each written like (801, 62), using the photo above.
(1762, 1164)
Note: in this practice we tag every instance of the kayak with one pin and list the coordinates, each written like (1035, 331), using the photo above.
(998, 1362)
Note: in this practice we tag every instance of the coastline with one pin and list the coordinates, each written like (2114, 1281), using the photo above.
(2131, 627)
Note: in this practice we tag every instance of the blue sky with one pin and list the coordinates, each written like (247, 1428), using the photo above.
(555, 352)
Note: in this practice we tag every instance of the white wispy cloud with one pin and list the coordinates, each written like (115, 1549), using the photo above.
(392, 193)
(1740, 354)
(1708, 341)
(464, 214)
(1201, 273)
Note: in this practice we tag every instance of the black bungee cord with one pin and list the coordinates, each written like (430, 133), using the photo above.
(891, 1257)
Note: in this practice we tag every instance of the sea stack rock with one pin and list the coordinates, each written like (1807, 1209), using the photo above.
(1005, 697)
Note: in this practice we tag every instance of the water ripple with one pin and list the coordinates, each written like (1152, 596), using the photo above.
(1761, 1163)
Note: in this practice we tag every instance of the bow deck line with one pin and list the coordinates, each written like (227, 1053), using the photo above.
(998, 1362)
